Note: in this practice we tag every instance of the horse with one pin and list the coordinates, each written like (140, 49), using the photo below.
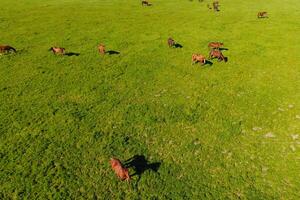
(216, 5)
(58, 50)
(171, 42)
(145, 3)
(198, 58)
(101, 48)
(217, 54)
(262, 15)
(7, 49)
(118, 168)
(215, 45)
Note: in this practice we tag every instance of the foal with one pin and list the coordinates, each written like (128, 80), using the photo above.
(118, 168)
(6, 49)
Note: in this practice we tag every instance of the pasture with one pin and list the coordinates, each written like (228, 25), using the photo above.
(226, 131)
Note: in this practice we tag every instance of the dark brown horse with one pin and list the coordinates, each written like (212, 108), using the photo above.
(118, 168)
(7, 49)
(198, 58)
(216, 6)
(262, 15)
(101, 49)
(171, 42)
(58, 50)
(215, 53)
(146, 3)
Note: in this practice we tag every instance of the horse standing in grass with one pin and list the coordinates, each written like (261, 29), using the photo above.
(58, 50)
(146, 3)
(118, 168)
(6, 49)
(171, 42)
(217, 54)
(198, 58)
(101, 49)
(216, 6)
(262, 15)
(215, 45)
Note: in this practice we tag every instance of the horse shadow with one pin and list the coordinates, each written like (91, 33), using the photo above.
(177, 45)
(140, 164)
(72, 54)
(112, 52)
(223, 49)
(207, 62)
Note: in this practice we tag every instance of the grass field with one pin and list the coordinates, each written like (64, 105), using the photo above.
(226, 131)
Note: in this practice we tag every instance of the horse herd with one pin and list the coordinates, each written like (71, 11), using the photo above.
(215, 51)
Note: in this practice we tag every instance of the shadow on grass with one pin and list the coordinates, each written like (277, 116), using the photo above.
(223, 49)
(177, 45)
(72, 54)
(140, 165)
(112, 52)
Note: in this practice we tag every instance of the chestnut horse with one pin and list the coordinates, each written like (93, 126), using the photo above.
(57, 50)
(215, 45)
(101, 49)
(6, 49)
(198, 58)
(118, 168)
(217, 54)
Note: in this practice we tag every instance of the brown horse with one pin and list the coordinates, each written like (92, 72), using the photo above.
(7, 49)
(146, 3)
(215, 45)
(171, 42)
(198, 58)
(58, 50)
(216, 5)
(118, 168)
(101, 49)
(217, 54)
(262, 15)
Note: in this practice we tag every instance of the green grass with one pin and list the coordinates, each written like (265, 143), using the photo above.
(63, 118)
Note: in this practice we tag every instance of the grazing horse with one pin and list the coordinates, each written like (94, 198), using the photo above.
(171, 42)
(217, 54)
(198, 58)
(145, 3)
(57, 50)
(118, 168)
(262, 15)
(101, 49)
(215, 45)
(6, 49)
